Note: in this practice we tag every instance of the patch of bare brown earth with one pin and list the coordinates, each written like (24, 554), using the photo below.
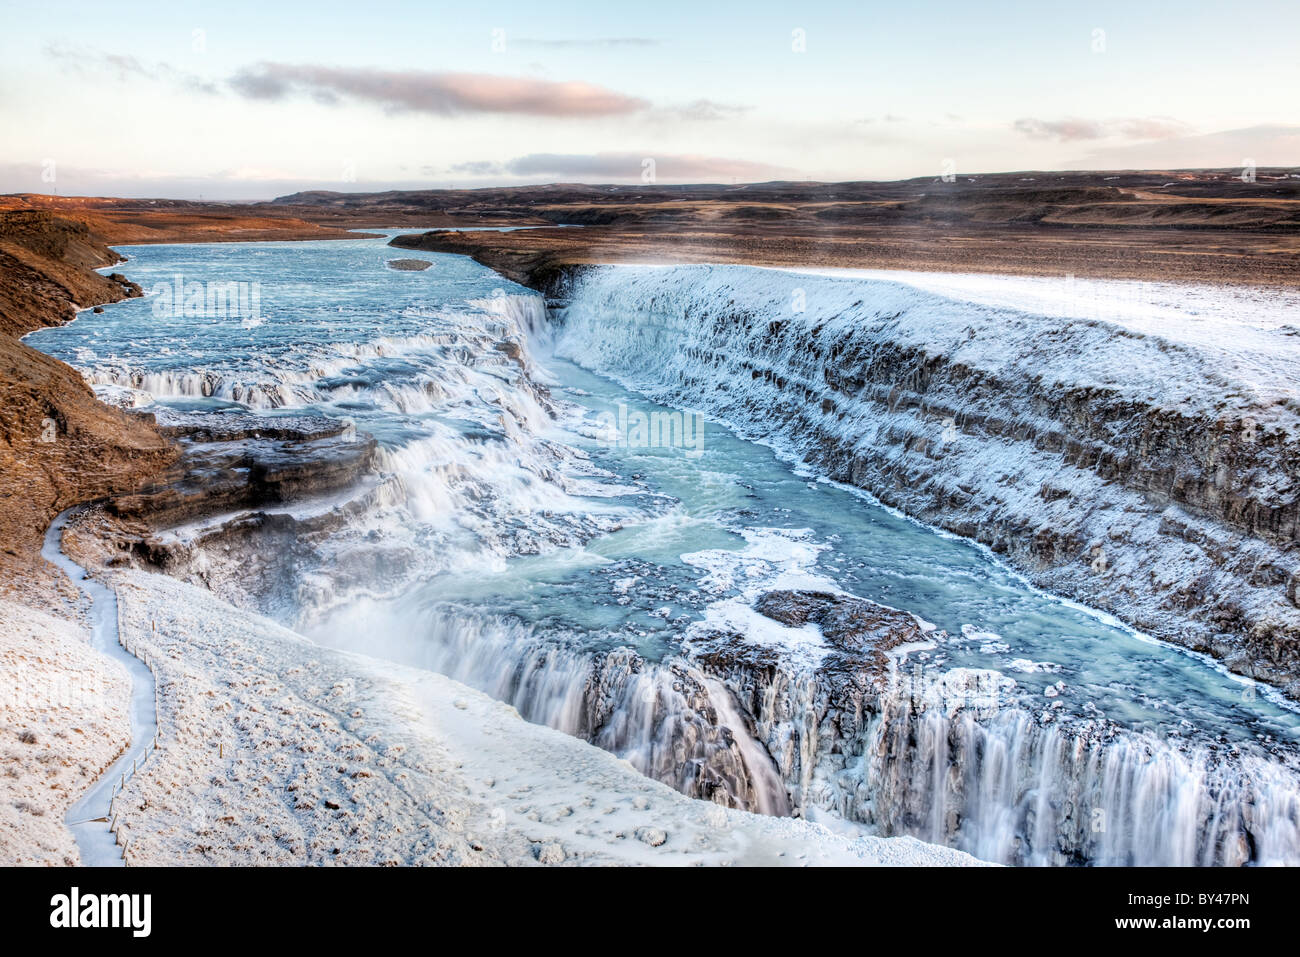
(142, 221)
(1201, 225)
(58, 445)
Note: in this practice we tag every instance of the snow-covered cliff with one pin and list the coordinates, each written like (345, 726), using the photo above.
(1131, 445)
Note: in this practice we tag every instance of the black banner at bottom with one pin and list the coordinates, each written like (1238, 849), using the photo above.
(337, 906)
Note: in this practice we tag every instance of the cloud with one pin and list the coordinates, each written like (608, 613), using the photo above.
(124, 67)
(1064, 130)
(1273, 144)
(442, 94)
(259, 183)
(1151, 128)
(708, 110)
(593, 42)
(472, 168)
(241, 184)
(1074, 129)
(82, 60)
(615, 167)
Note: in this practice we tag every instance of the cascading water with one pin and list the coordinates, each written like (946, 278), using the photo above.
(517, 541)
(983, 774)
(666, 718)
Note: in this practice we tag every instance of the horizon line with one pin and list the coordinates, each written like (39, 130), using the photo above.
(1292, 170)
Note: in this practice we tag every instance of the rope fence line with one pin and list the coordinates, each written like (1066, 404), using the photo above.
(139, 763)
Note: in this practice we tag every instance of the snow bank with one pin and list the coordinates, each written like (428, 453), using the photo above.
(63, 721)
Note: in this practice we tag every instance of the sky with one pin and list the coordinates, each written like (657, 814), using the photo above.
(243, 101)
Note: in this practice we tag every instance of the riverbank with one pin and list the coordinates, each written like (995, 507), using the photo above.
(59, 445)
(136, 222)
(1208, 225)
(1130, 445)
(1185, 225)
(274, 751)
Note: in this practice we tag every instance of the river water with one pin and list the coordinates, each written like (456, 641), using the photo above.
(538, 530)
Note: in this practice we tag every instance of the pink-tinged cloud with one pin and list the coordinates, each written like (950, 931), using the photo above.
(1151, 128)
(1073, 129)
(438, 93)
(627, 167)
(1067, 130)
(123, 68)
(1275, 145)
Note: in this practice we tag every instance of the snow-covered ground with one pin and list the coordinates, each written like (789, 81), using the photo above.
(63, 721)
(276, 750)
(1243, 340)
(1253, 332)
(91, 817)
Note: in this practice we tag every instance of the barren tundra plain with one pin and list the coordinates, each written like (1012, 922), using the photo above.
(296, 753)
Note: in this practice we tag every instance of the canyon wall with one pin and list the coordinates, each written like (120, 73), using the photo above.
(1143, 474)
(58, 444)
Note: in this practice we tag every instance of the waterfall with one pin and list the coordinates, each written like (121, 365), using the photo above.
(667, 719)
(924, 757)
(951, 758)
(485, 472)
(1007, 787)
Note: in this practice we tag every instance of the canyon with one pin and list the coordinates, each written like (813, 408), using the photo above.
(1095, 441)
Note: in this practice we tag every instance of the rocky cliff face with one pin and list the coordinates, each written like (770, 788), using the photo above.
(1146, 476)
(960, 756)
(231, 513)
(58, 444)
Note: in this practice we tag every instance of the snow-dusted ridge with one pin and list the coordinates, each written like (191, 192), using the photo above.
(1142, 465)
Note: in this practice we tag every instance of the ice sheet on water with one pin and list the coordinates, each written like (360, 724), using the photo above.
(771, 558)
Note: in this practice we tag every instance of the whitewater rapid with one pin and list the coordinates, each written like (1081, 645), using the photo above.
(507, 540)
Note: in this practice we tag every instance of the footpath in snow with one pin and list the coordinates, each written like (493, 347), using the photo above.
(91, 819)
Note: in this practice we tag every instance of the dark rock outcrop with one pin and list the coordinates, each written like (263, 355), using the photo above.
(854, 626)
(409, 265)
(233, 461)
(828, 705)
